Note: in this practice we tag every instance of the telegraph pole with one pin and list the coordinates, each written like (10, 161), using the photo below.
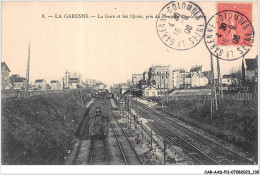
(164, 151)
(220, 91)
(164, 76)
(28, 73)
(142, 129)
(151, 139)
(161, 88)
(213, 88)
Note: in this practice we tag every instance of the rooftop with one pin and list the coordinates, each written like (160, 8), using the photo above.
(19, 79)
(54, 81)
(39, 80)
(3, 64)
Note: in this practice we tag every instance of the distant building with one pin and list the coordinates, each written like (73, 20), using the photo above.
(73, 80)
(19, 83)
(73, 83)
(161, 76)
(146, 76)
(229, 80)
(178, 78)
(136, 78)
(5, 76)
(55, 85)
(48, 87)
(40, 85)
(149, 91)
(11, 79)
(198, 79)
(250, 69)
(208, 75)
(187, 81)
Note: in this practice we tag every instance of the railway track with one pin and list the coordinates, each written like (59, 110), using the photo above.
(129, 154)
(98, 157)
(198, 156)
(119, 144)
(231, 156)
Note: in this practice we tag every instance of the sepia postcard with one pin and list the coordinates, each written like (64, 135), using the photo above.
(170, 87)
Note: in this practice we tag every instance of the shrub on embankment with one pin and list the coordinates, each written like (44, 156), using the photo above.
(235, 122)
(40, 130)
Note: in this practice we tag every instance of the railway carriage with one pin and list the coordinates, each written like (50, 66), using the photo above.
(98, 122)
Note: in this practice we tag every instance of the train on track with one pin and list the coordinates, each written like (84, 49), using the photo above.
(98, 121)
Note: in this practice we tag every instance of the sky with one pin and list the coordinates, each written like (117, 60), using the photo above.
(106, 49)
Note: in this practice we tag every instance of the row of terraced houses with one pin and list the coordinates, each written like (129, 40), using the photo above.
(160, 79)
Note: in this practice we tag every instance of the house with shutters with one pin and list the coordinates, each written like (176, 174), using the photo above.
(5, 76)
(40, 85)
(55, 85)
(19, 83)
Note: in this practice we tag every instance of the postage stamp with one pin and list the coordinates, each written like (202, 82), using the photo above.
(181, 25)
(229, 33)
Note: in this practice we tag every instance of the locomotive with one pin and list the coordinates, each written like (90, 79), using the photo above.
(98, 121)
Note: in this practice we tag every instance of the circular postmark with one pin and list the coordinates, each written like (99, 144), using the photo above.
(181, 25)
(229, 35)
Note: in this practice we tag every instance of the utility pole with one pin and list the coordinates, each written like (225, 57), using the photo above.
(136, 104)
(142, 129)
(220, 91)
(164, 151)
(161, 89)
(28, 73)
(63, 84)
(151, 139)
(213, 88)
(164, 76)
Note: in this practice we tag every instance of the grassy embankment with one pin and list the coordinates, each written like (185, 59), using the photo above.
(235, 122)
(40, 130)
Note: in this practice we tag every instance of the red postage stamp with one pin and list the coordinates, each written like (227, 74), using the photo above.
(234, 23)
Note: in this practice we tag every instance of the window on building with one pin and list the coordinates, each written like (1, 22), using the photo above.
(5, 77)
(153, 93)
